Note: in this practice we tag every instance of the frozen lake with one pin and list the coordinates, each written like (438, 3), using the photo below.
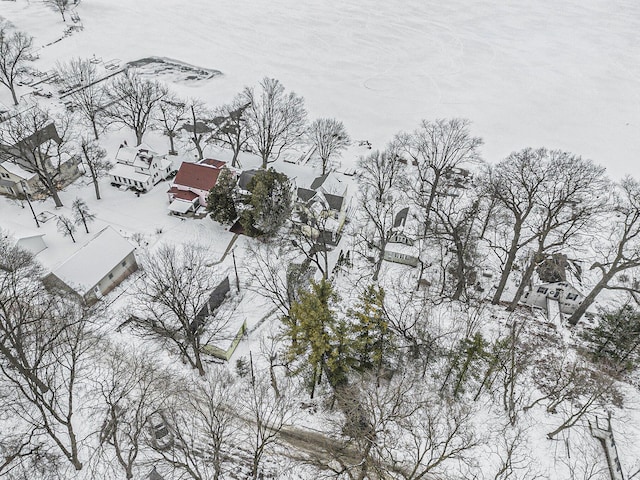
(561, 74)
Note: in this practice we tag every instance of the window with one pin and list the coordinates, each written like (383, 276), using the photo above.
(4, 175)
(110, 276)
(542, 290)
(572, 296)
(124, 263)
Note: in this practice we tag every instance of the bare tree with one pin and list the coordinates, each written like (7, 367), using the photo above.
(275, 274)
(38, 142)
(400, 431)
(205, 427)
(619, 251)
(86, 94)
(94, 157)
(14, 53)
(129, 389)
(135, 101)
(45, 340)
(312, 233)
(265, 416)
(453, 223)
(66, 227)
(329, 137)
(380, 200)
(173, 112)
(436, 149)
(275, 119)
(60, 6)
(574, 196)
(232, 127)
(515, 183)
(198, 128)
(172, 303)
(81, 213)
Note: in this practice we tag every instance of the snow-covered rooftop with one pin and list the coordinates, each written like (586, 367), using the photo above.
(17, 170)
(84, 269)
(128, 171)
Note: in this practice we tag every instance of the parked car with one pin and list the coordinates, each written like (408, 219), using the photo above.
(161, 435)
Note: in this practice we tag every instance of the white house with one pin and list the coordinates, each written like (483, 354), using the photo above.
(139, 167)
(15, 180)
(568, 297)
(325, 198)
(401, 248)
(98, 267)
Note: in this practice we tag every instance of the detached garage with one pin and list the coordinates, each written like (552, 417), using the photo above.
(98, 267)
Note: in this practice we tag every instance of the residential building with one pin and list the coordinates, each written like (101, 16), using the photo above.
(401, 246)
(139, 168)
(323, 207)
(97, 267)
(567, 296)
(20, 163)
(192, 184)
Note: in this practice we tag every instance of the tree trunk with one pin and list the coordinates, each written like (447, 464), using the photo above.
(508, 265)
(13, 93)
(84, 222)
(198, 362)
(198, 148)
(526, 277)
(172, 149)
(96, 187)
(95, 128)
(591, 297)
(432, 197)
(139, 135)
(234, 160)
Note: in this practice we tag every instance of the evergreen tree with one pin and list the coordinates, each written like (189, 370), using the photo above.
(317, 336)
(269, 204)
(81, 213)
(221, 198)
(617, 337)
(371, 328)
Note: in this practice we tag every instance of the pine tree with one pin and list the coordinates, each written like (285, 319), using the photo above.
(371, 328)
(221, 198)
(269, 204)
(81, 213)
(617, 337)
(316, 335)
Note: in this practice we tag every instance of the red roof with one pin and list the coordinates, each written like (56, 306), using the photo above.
(183, 194)
(193, 175)
(214, 163)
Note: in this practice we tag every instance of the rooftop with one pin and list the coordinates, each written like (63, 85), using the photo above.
(194, 175)
(85, 268)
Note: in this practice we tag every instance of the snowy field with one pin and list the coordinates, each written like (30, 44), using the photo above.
(562, 74)
(559, 74)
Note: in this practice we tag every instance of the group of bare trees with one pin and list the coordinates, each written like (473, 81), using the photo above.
(533, 205)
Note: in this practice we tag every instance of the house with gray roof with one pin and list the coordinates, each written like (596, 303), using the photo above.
(402, 246)
(323, 207)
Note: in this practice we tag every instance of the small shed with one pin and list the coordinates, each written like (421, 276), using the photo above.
(32, 243)
(98, 267)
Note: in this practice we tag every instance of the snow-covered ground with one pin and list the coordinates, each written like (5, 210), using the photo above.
(562, 74)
